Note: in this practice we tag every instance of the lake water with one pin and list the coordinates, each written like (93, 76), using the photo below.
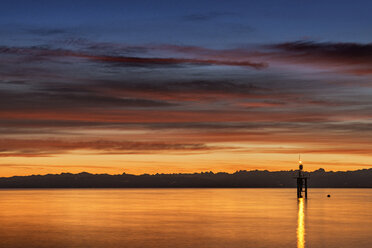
(205, 218)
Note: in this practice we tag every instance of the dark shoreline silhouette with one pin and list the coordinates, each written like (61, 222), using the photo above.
(240, 179)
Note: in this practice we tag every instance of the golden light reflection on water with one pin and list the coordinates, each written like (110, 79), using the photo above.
(184, 218)
(301, 224)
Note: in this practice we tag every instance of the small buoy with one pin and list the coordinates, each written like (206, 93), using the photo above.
(328, 195)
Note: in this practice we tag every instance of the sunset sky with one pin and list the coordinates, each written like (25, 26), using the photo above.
(184, 86)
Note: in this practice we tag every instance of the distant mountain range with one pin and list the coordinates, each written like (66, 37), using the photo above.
(240, 179)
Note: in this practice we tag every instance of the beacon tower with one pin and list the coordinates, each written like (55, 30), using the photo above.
(301, 181)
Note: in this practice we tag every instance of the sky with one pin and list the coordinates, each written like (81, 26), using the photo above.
(184, 86)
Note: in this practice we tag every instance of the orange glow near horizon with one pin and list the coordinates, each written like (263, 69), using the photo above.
(171, 162)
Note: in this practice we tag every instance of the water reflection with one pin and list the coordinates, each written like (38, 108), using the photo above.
(301, 224)
(184, 218)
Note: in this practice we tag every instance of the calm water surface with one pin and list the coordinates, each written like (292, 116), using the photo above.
(185, 218)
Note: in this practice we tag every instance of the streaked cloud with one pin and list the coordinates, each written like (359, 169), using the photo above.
(49, 147)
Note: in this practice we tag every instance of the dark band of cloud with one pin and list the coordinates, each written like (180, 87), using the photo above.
(355, 57)
(40, 53)
(198, 17)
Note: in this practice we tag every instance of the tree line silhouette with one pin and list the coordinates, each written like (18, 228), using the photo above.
(240, 179)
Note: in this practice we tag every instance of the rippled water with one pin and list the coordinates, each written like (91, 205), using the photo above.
(185, 218)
